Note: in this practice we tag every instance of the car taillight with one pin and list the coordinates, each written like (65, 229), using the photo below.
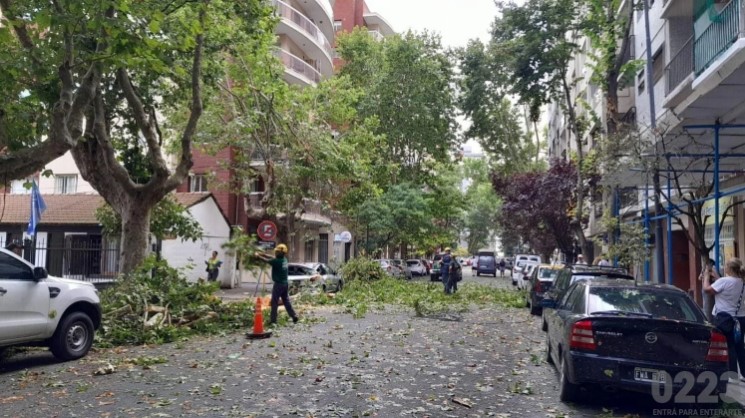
(582, 336)
(717, 348)
(538, 287)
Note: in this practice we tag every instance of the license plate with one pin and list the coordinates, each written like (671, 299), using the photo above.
(649, 375)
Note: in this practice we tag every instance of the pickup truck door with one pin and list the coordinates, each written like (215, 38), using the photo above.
(24, 302)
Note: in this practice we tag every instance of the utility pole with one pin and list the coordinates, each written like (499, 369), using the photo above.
(659, 253)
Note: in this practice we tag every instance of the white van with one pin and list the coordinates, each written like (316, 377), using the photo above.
(520, 261)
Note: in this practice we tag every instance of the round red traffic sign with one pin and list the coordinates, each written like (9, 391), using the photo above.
(267, 230)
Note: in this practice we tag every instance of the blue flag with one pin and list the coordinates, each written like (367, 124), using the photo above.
(37, 208)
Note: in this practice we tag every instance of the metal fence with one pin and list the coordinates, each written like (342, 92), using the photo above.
(88, 258)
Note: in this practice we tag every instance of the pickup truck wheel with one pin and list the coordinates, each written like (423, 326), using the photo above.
(73, 337)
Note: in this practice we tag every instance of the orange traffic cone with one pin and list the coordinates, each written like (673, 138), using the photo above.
(258, 331)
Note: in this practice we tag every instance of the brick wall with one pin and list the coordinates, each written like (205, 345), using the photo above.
(219, 180)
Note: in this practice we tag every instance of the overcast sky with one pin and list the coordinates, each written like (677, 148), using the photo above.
(456, 20)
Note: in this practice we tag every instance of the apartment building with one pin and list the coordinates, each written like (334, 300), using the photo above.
(589, 105)
(305, 36)
(698, 106)
(305, 39)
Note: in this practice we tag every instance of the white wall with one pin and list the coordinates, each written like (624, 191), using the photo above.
(63, 165)
(658, 34)
(193, 254)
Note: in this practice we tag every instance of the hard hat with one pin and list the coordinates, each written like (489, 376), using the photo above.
(281, 248)
(447, 248)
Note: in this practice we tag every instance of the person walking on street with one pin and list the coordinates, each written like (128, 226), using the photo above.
(213, 267)
(707, 298)
(729, 312)
(502, 265)
(281, 286)
(454, 276)
(581, 260)
(447, 259)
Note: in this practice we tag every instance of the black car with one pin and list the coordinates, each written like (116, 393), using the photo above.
(570, 274)
(540, 282)
(620, 335)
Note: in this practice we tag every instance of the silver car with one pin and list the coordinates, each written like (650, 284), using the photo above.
(330, 279)
(308, 276)
(417, 267)
(391, 268)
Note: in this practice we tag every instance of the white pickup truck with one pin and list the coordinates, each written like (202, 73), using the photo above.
(37, 309)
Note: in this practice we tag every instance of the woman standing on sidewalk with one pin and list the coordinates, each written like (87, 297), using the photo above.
(729, 312)
(281, 286)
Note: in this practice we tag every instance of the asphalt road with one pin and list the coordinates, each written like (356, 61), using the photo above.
(485, 362)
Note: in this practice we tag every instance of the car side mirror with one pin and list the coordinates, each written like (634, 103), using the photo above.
(40, 273)
(548, 303)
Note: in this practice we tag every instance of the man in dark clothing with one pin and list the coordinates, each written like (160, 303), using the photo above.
(281, 286)
(447, 260)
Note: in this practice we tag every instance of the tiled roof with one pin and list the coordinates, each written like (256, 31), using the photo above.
(68, 209)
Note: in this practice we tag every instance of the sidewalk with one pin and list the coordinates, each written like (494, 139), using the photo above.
(247, 290)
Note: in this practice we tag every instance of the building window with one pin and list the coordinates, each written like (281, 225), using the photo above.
(309, 250)
(19, 186)
(337, 25)
(658, 64)
(197, 183)
(66, 184)
(323, 248)
(641, 82)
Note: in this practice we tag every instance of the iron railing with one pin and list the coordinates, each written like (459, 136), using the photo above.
(288, 12)
(298, 66)
(84, 257)
(718, 37)
(376, 35)
(679, 67)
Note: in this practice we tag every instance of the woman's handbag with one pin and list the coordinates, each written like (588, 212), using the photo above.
(727, 323)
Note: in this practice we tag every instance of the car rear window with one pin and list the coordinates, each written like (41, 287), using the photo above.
(548, 274)
(412, 263)
(576, 277)
(657, 303)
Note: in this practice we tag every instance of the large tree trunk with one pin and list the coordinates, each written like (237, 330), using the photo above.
(97, 160)
(135, 235)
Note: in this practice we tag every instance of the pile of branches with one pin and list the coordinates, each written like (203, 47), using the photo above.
(157, 304)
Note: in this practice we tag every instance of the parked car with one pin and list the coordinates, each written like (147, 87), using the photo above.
(427, 264)
(330, 279)
(620, 335)
(570, 274)
(391, 268)
(487, 263)
(518, 272)
(302, 276)
(417, 267)
(36, 308)
(520, 261)
(434, 274)
(526, 273)
(406, 271)
(539, 283)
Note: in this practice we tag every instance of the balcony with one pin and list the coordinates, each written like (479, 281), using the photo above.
(373, 19)
(322, 13)
(306, 35)
(679, 74)
(677, 8)
(376, 35)
(719, 36)
(313, 214)
(298, 71)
